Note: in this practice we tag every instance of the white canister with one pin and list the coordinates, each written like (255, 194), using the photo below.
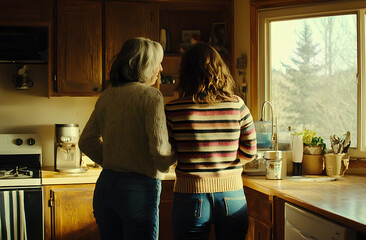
(273, 164)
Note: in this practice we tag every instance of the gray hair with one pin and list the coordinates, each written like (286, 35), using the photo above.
(136, 61)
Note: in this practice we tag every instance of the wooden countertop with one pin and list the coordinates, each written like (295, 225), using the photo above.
(51, 177)
(343, 200)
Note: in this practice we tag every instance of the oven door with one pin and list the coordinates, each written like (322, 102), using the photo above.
(21, 213)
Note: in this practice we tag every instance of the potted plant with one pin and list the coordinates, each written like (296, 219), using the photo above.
(313, 154)
(313, 145)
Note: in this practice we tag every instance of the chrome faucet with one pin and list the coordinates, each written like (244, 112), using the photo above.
(274, 138)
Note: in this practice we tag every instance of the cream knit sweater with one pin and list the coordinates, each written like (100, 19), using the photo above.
(127, 131)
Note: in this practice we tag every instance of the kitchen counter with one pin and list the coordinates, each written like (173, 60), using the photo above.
(51, 177)
(343, 200)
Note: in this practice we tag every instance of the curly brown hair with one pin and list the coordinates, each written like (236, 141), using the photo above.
(204, 75)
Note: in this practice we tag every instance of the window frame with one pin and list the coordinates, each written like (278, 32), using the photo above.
(264, 11)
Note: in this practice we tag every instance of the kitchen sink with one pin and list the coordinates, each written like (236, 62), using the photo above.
(310, 178)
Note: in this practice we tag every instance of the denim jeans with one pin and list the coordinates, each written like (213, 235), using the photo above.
(193, 215)
(126, 206)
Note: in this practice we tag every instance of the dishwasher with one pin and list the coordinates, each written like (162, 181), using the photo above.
(304, 225)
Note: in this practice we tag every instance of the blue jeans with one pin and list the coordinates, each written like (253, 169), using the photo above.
(126, 206)
(193, 215)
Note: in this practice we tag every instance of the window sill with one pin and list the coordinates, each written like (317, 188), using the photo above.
(357, 154)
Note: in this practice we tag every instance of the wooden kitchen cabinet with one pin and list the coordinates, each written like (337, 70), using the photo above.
(89, 33)
(125, 20)
(260, 209)
(85, 35)
(179, 17)
(165, 210)
(182, 17)
(68, 212)
(278, 218)
(78, 48)
(87, 39)
(333, 201)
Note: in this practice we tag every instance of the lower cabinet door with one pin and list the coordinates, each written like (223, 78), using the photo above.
(165, 210)
(69, 213)
(260, 215)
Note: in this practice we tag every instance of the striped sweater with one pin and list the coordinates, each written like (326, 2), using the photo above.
(212, 142)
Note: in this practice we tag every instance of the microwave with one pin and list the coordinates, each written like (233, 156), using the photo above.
(23, 44)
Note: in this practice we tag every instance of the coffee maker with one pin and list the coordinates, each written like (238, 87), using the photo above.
(67, 152)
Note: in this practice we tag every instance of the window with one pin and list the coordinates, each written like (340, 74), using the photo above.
(311, 67)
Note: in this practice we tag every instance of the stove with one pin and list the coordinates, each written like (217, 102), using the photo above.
(20, 160)
(21, 197)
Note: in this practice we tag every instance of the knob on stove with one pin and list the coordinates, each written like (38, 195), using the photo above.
(18, 141)
(31, 141)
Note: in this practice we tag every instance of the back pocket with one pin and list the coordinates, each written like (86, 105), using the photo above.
(236, 207)
(189, 208)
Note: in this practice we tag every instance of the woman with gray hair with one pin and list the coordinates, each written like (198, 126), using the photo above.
(127, 135)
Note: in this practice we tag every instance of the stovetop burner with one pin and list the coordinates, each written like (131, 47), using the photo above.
(16, 173)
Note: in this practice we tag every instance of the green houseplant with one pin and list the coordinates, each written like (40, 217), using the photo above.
(313, 145)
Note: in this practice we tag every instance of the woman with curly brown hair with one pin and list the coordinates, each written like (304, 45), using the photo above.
(213, 133)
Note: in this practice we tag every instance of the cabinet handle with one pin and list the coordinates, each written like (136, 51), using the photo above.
(54, 82)
(51, 202)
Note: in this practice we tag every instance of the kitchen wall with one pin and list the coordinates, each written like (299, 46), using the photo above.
(242, 40)
(32, 111)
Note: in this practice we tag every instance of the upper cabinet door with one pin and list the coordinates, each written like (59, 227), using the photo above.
(124, 20)
(78, 48)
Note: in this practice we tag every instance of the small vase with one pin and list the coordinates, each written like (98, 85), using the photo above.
(312, 150)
